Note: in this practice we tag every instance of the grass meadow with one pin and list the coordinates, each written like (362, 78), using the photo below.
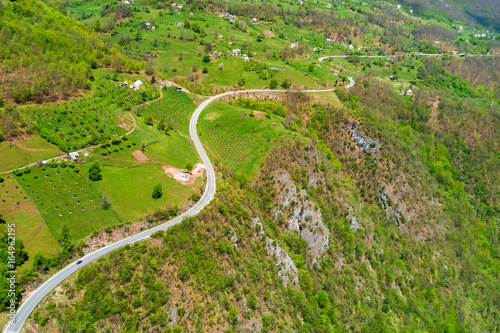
(17, 207)
(12, 156)
(236, 138)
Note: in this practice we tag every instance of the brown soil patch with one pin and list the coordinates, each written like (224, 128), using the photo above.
(339, 67)
(140, 156)
(268, 33)
(259, 114)
(125, 126)
(151, 56)
(434, 110)
(184, 177)
(243, 24)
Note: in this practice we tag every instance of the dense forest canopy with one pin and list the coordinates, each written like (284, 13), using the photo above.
(45, 55)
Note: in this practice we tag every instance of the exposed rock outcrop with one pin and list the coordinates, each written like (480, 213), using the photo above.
(285, 266)
(302, 215)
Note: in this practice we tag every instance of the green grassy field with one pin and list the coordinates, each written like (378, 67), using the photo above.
(236, 141)
(18, 208)
(173, 148)
(130, 190)
(15, 157)
(174, 109)
(65, 196)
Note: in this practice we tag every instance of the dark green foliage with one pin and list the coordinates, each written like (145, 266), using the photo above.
(266, 106)
(95, 172)
(157, 191)
(65, 241)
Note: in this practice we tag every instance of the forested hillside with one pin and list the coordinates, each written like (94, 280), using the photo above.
(480, 12)
(47, 56)
(379, 216)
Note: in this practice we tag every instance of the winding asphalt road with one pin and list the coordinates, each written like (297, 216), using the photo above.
(409, 54)
(36, 297)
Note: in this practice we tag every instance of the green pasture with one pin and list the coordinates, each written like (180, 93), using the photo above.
(130, 189)
(18, 208)
(236, 138)
(12, 156)
(173, 148)
(64, 195)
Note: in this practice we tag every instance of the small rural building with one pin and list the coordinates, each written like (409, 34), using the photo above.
(336, 71)
(236, 52)
(136, 85)
(293, 45)
(351, 47)
(245, 58)
(254, 20)
(392, 78)
(408, 91)
(221, 37)
(436, 41)
(360, 48)
(126, 2)
(73, 156)
(328, 5)
(180, 6)
(174, 5)
(179, 88)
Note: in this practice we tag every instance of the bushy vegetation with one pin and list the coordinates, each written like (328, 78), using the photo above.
(46, 55)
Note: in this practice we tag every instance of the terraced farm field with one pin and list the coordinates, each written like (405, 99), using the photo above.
(238, 139)
(174, 109)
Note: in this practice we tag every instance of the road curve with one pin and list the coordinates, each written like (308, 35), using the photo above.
(407, 54)
(36, 297)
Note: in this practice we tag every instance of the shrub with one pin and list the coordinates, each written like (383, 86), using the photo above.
(157, 191)
(95, 172)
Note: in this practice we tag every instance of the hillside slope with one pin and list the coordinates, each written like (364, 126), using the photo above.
(46, 55)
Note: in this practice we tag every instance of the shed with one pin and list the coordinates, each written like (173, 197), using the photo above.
(408, 91)
(73, 156)
(179, 88)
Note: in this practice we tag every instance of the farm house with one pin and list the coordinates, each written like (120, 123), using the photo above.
(73, 156)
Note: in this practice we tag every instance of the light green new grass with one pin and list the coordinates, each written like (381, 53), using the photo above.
(239, 143)
(12, 157)
(130, 190)
(39, 143)
(18, 208)
(174, 149)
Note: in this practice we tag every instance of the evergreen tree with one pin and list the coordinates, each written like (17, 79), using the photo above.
(157, 191)
(95, 172)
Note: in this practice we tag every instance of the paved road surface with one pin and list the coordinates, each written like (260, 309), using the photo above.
(36, 297)
(403, 55)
